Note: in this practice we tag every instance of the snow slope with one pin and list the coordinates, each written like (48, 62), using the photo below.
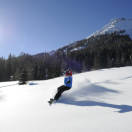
(100, 101)
(120, 24)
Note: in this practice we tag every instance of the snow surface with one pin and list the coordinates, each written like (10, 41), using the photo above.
(78, 48)
(116, 25)
(99, 101)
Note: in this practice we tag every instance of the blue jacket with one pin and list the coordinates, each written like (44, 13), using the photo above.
(68, 81)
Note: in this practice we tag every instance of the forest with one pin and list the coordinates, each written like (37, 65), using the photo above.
(104, 51)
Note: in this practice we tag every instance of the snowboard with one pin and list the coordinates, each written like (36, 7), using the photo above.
(51, 101)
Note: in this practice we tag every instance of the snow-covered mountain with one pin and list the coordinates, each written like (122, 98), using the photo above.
(121, 26)
(99, 101)
(116, 25)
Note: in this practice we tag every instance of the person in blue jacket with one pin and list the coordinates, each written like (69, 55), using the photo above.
(67, 85)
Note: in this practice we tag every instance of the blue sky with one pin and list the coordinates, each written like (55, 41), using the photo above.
(34, 26)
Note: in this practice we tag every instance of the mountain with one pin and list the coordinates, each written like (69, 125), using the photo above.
(121, 25)
(99, 101)
(109, 47)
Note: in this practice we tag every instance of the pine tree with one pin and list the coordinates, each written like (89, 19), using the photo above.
(23, 77)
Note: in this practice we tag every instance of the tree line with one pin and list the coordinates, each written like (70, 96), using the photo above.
(104, 51)
(35, 68)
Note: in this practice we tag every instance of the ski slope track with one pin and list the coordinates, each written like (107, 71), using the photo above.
(99, 101)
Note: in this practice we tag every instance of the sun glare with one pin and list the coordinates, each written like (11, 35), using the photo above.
(6, 33)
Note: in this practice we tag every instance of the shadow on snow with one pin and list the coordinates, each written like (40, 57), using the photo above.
(33, 83)
(71, 101)
(88, 91)
(8, 85)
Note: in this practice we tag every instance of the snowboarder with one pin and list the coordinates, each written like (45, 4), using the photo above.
(67, 85)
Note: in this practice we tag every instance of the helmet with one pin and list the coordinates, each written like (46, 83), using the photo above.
(68, 72)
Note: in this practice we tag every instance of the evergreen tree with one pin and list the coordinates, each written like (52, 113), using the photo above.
(23, 77)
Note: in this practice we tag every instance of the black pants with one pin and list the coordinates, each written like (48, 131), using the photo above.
(60, 90)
